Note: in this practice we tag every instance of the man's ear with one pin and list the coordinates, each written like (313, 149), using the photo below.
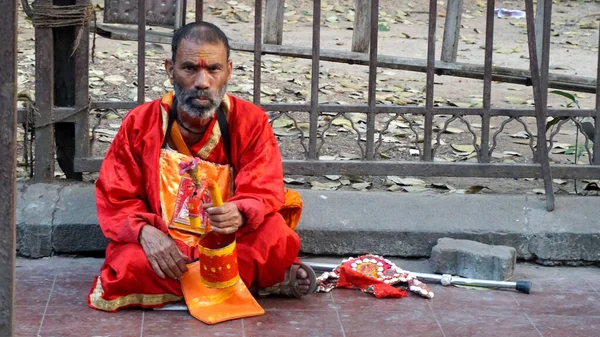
(229, 69)
(169, 69)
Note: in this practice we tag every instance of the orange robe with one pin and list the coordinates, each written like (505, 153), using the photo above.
(127, 194)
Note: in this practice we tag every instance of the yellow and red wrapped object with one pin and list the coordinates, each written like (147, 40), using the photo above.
(212, 288)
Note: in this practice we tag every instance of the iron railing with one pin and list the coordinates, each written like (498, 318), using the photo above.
(368, 164)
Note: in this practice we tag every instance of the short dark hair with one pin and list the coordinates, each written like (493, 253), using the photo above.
(200, 31)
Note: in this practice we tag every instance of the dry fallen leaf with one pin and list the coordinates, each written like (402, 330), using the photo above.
(474, 189)
(361, 186)
(114, 79)
(324, 186)
(414, 189)
(107, 132)
(406, 181)
(282, 123)
(293, 181)
(520, 135)
(463, 148)
(512, 153)
(441, 186)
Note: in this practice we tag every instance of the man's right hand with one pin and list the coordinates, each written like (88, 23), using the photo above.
(162, 253)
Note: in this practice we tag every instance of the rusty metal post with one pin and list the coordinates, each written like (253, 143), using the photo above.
(141, 57)
(539, 80)
(314, 81)
(8, 153)
(179, 14)
(199, 10)
(44, 98)
(257, 50)
(372, 94)
(428, 136)
(487, 83)
(597, 116)
(81, 60)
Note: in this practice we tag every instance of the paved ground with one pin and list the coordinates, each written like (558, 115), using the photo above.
(565, 301)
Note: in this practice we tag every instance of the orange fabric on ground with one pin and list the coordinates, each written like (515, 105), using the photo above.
(128, 197)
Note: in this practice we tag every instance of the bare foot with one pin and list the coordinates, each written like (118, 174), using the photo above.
(299, 288)
(302, 280)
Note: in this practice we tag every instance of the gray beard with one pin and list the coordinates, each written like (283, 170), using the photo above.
(185, 99)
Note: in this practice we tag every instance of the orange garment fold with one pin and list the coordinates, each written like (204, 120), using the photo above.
(292, 208)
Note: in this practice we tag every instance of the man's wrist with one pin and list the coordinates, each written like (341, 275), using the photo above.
(141, 233)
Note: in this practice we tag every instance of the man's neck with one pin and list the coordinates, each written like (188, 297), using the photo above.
(193, 125)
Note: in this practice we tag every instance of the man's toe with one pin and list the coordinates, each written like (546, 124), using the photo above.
(302, 274)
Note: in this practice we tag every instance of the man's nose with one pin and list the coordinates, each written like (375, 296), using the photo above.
(201, 80)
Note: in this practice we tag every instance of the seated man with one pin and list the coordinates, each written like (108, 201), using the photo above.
(145, 258)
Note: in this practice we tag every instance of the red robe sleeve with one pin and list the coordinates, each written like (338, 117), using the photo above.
(259, 188)
(121, 190)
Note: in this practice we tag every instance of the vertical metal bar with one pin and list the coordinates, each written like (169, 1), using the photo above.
(427, 153)
(8, 153)
(372, 94)
(199, 10)
(44, 98)
(539, 28)
(540, 92)
(141, 51)
(544, 157)
(81, 62)
(314, 81)
(597, 119)
(179, 14)
(487, 82)
(452, 30)
(257, 50)
(183, 18)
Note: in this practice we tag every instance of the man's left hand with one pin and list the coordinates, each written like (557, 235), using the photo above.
(225, 219)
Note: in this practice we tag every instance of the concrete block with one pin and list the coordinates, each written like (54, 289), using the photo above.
(78, 238)
(77, 205)
(35, 205)
(473, 259)
(34, 214)
(568, 234)
(75, 224)
(34, 240)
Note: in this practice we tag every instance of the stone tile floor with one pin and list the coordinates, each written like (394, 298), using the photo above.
(51, 301)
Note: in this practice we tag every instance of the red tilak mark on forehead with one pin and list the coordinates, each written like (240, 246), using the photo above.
(202, 64)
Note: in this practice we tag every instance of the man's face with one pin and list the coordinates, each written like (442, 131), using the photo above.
(199, 76)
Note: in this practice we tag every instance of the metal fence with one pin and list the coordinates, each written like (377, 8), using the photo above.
(538, 77)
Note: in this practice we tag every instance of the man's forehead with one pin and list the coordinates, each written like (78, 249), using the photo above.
(201, 49)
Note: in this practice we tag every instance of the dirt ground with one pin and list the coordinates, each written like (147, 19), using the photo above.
(403, 32)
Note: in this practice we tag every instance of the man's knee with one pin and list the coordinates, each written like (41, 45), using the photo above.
(265, 253)
(131, 257)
